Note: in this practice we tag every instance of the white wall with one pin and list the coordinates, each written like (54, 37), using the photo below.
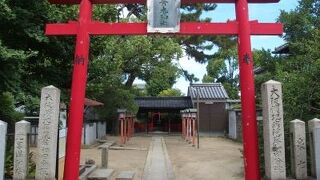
(90, 136)
(101, 129)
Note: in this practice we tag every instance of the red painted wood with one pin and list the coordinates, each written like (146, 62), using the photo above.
(78, 89)
(144, 1)
(187, 28)
(248, 103)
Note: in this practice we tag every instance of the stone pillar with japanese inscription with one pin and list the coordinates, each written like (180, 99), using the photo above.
(21, 150)
(316, 140)
(3, 137)
(298, 149)
(48, 133)
(312, 124)
(273, 131)
(317, 151)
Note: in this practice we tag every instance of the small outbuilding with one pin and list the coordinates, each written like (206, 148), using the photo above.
(212, 99)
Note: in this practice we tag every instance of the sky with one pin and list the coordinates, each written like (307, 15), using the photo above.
(224, 12)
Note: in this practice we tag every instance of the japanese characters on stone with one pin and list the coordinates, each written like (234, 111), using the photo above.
(163, 16)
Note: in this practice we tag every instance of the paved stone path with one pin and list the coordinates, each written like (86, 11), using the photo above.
(158, 165)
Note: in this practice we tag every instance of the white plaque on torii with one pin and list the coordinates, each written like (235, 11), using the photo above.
(163, 16)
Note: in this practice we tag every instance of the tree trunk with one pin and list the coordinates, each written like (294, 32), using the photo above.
(130, 80)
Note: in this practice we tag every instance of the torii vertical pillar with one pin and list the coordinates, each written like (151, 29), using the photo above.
(78, 88)
(248, 104)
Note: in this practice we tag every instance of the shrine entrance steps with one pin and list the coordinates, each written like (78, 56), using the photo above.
(158, 165)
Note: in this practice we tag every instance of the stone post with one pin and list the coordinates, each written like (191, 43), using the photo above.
(48, 133)
(3, 134)
(317, 151)
(298, 149)
(273, 132)
(104, 157)
(21, 150)
(232, 124)
(312, 124)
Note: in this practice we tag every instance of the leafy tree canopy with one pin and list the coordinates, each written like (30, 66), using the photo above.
(171, 92)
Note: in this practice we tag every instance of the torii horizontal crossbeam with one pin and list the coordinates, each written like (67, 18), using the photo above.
(144, 1)
(186, 28)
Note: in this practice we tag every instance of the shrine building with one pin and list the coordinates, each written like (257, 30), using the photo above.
(162, 114)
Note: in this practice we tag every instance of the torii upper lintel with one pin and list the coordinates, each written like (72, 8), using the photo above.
(144, 1)
(187, 28)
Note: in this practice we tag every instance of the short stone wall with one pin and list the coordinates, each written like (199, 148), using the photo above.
(92, 131)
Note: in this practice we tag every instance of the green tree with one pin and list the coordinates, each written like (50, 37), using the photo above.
(223, 67)
(298, 71)
(162, 78)
(170, 92)
(7, 110)
(116, 97)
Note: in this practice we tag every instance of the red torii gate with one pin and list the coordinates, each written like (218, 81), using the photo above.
(85, 27)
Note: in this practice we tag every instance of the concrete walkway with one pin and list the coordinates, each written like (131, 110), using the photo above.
(158, 165)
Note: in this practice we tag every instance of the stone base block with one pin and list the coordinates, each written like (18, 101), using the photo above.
(125, 175)
(84, 170)
(101, 174)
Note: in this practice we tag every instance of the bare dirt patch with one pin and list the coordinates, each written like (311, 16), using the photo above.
(217, 159)
(119, 160)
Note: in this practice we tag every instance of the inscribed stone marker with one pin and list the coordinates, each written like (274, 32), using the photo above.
(3, 134)
(48, 133)
(317, 151)
(298, 149)
(273, 132)
(21, 150)
(312, 124)
(104, 157)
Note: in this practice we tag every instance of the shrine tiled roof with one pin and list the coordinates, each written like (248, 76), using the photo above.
(90, 102)
(208, 91)
(182, 102)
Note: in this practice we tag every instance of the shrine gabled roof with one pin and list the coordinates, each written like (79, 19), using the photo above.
(182, 102)
(144, 1)
(283, 49)
(90, 102)
(208, 91)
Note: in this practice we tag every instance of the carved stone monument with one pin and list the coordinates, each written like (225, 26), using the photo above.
(317, 151)
(312, 124)
(48, 133)
(21, 150)
(273, 132)
(298, 149)
(3, 134)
